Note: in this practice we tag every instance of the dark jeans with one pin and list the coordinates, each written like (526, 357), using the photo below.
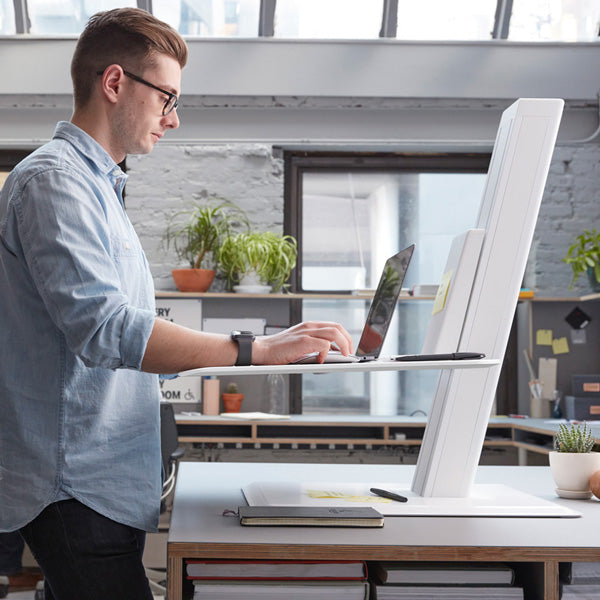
(11, 553)
(85, 556)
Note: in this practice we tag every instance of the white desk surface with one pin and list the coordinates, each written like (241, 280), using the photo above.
(204, 490)
(374, 365)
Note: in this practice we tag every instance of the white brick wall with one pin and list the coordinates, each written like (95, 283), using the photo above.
(172, 177)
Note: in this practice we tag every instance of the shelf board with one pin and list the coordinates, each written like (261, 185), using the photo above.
(362, 295)
(366, 295)
(357, 367)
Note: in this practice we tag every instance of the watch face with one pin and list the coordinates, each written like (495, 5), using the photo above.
(242, 334)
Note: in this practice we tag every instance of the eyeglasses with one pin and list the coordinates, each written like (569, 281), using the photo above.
(172, 101)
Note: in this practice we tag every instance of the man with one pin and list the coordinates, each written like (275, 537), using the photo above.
(79, 435)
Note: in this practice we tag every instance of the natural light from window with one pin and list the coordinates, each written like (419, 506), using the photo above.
(434, 20)
(553, 20)
(355, 19)
(351, 223)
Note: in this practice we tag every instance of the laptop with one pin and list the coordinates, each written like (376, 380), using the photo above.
(380, 314)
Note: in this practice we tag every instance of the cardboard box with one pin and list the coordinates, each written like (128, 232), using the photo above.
(582, 409)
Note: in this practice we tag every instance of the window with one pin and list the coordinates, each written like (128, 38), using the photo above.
(349, 213)
(219, 18)
(548, 20)
(521, 20)
(7, 17)
(330, 19)
(458, 20)
(66, 16)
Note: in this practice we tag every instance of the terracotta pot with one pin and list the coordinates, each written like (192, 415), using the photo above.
(193, 280)
(232, 402)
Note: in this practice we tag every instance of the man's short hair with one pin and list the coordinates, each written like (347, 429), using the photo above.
(130, 37)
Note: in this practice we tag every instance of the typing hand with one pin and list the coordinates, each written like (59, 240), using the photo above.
(299, 340)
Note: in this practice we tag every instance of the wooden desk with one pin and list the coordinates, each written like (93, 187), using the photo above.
(534, 545)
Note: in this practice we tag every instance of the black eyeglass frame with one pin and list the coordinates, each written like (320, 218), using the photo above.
(172, 101)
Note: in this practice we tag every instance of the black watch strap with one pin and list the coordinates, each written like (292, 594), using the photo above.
(244, 341)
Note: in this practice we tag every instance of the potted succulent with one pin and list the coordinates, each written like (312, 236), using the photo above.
(573, 462)
(584, 257)
(232, 398)
(197, 241)
(258, 261)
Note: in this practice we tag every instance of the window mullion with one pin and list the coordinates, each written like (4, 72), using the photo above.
(145, 5)
(22, 22)
(389, 19)
(502, 19)
(266, 23)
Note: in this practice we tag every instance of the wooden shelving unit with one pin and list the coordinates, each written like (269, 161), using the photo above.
(534, 435)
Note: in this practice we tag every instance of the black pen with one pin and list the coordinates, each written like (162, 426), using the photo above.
(389, 495)
(448, 356)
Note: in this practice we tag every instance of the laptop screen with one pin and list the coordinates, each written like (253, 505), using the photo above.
(384, 303)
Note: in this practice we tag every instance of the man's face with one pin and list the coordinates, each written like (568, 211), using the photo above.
(138, 122)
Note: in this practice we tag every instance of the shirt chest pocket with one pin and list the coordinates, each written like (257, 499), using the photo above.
(124, 248)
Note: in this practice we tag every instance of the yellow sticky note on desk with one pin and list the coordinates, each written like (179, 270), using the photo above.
(543, 337)
(560, 346)
(442, 293)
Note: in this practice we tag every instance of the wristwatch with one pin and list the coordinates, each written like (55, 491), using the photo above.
(244, 341)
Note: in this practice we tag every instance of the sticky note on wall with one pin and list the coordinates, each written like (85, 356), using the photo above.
(560, 346)
(543, 337)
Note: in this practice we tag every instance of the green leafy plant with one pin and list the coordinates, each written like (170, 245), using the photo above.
(270, 255)
(197, 240)
(574, 438)
(584, 255)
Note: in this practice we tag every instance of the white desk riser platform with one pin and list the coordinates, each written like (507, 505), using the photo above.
(204, 490)
(374, 365)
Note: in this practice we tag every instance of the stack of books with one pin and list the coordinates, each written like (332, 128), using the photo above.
(264, 580)
(431, 581)
(581, 580)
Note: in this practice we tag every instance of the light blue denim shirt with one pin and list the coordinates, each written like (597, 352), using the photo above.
(78, 419)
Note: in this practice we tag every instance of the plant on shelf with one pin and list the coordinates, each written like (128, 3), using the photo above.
(232, 398)
(584, 257)
(198, 238)
(258, 260)
(573, 462)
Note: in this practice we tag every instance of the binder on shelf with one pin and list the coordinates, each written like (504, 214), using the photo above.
(458, 573)
(443, 592)
(276, 570)
(275, 590)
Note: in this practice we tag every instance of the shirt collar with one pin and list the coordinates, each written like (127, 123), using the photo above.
(91, 149)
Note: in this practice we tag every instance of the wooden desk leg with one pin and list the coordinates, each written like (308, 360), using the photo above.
(175, 578)
(551, 580)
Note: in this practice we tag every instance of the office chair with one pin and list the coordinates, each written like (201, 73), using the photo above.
(171, 453)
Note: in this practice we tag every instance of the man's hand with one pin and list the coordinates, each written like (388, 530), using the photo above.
(304, 338)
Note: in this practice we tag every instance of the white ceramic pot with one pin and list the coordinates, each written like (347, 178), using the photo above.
(571, 472)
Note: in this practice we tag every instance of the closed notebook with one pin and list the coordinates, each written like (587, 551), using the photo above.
(288, 590)
(459, 573)
(312, 516)
(275, 569)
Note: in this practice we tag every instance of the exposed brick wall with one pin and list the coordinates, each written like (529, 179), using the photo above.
(172, 177)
